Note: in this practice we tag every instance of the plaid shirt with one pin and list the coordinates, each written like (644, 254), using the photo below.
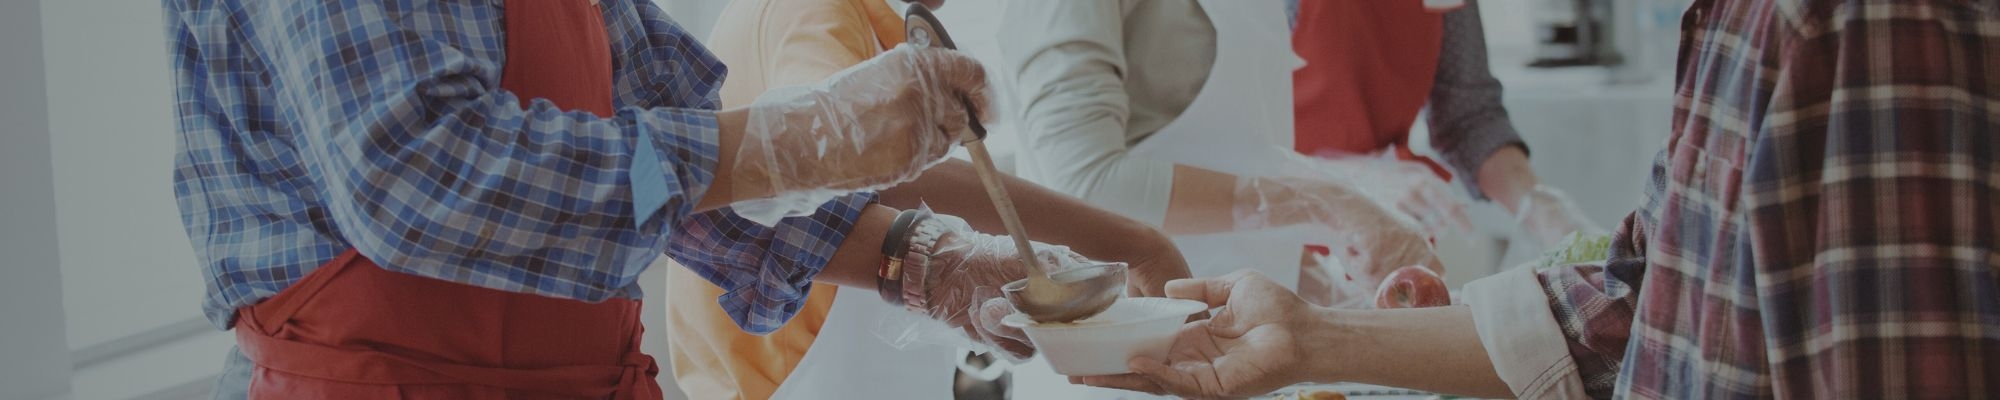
(311, 127)
(1824, 220)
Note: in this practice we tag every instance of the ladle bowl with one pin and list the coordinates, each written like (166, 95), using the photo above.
(1077, 293)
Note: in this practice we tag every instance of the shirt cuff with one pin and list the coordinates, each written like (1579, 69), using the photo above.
(800, 248)
(1478, 145)
(1521, 336)
(674, 156)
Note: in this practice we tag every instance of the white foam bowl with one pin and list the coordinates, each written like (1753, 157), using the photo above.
(1101, 344)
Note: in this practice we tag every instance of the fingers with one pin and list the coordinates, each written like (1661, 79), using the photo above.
(1166, 378)
(1435, 206)
(1132, 382)
(966, 78)
(1057, 258)
(958, 83)
(1449, 206)
(1012, 343)
(1213, 291)
(952, 120)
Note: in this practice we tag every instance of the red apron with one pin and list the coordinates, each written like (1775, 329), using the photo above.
(352, 330)
(1369, 70)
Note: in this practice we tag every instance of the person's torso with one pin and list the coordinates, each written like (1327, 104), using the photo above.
(746, 31)
(257, 213)
(1369, 70)
(1169, 49)
(712, 358)
(1744, 294)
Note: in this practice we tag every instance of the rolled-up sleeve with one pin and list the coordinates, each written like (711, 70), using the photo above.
(1067, 60)
(765, 272)
(1467, 120)
(1522, 336)
(1560, 331)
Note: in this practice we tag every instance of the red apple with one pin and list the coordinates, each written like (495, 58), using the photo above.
(1412, 287)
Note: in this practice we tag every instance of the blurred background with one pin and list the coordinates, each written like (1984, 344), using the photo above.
(101, 293)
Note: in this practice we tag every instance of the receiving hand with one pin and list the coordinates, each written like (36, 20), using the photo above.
(1254, 346)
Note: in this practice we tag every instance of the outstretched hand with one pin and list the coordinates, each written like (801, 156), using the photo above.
(1251, 347)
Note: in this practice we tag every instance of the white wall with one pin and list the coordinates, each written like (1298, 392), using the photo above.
(34, 361)
(127, 263)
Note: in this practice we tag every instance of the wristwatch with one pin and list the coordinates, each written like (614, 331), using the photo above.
(921, 247)
(889, 277)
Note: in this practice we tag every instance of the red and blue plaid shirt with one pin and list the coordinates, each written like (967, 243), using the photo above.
(1824, 221)
(309, 127)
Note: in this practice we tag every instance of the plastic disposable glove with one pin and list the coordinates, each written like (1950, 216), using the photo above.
(1433, 203)
(1254, 346)
(967, 269)
(1369, 240)
(1548, 215)
(874, 125)
(1325, 284)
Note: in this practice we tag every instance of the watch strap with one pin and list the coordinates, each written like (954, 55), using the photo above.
(889, 276)
(923, 245)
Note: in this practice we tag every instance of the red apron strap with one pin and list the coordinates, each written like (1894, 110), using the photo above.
(368, 366)
(274, 311)
(1403, 153)
(266, 336)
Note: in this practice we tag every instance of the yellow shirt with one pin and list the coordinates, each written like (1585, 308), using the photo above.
(767, 45)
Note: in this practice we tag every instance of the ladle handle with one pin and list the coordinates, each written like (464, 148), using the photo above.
(1004, 205)
(923, 28)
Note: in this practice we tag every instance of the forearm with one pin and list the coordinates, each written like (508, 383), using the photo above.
(860, 253)
(1469, 124)
(1505, 177)
(1430, 349)
(954, 188)
(729, 137)
(1207, 201)
(1203, 201)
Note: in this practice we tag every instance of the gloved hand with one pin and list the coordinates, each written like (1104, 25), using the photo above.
(964, 276)
(1369, 239)
(874, 125)
(1411, 186)
(1548, 215)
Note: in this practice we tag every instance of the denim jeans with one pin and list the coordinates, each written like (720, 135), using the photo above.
(234, 384)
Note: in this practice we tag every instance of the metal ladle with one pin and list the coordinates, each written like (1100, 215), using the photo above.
(1063, 297)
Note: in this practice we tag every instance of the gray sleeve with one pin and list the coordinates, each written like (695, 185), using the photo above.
(1467, 121)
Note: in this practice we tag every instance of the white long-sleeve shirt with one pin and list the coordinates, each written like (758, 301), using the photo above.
(1094, 78)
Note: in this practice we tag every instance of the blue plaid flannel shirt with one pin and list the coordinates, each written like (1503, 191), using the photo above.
(311, 127)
